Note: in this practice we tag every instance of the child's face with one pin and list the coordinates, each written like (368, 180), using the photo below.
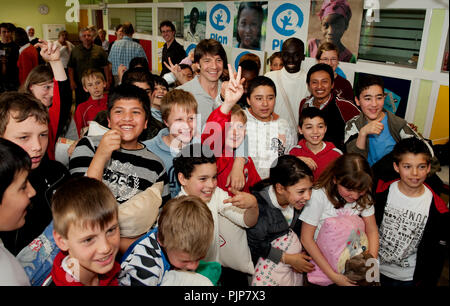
(128, 117)
(349, 195)
(297, 195)
(413, 170)
(94, 248)
(14, 202)
(43, 92)
(182, 260)
(30, 135)
(320, 85)
(181, 123)
(313, 129)
(94, 86)
(371, 101)
(277, 64)
(158, 93)
(202, 183)
(262, 102)
(235, 133)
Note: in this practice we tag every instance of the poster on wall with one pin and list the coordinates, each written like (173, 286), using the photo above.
(286, 19)
(250, 25)
(445, 62)
(219, 22)
(194, 21)
(337, 22)
(238, 53)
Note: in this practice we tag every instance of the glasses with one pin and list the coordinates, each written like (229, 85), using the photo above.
(167, 31)
(326, 60)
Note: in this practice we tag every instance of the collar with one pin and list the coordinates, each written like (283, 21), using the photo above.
(127, 38)
(288, 75)
(24, 47)
(249, 113)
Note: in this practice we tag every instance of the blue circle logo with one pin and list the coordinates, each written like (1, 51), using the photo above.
(189, 48)
(287, 19)
(219, 17)
(238, 58)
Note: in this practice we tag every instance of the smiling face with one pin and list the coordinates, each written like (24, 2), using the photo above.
(14, 202)
(30, 32)
(94, 248)
(235, 132)
(262, 102)
(292, 55)
(313, 129)
(168, 34)
(413, 170)
(211, 68)
(320, 85)
(43, 92)
(181, 123)
(202, 182)
(249, 28)
(129, 118)
(158, 93)
(277, 64)
(371, 101)
(330, 58)
(295, 195)
(333, 27)
(31, 135)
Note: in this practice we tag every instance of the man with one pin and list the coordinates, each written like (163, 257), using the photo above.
(290, 81)
(84, 56)
(124, 51)
(206, 86)
(9, 54)
(172, 49)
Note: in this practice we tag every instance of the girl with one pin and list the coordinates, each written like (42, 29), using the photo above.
(48, 84)
(273, 241)
(250, 18)
(15, 194)
(345, 183)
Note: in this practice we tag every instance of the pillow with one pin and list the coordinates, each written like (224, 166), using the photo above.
(184, 278)
(234, 252)
(138, 214)
(96, 129)
(339, 239)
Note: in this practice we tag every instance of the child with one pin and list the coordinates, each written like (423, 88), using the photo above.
(117, 158)
(344, 185)
(25, 121)
(15, 194)
(280, 199)
(275, 61)
(86, 229)
(94, 83)
(225, 132)
(159, 90)
(196, 172)
(269, 136)
(183, 236)
(413, 221)
(315, 152)
(178, 108)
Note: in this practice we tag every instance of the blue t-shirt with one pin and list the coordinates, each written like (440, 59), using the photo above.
(380, 145)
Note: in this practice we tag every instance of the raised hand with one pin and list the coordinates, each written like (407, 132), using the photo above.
(234, 89)
(375, 127)
(242, 200)
(50, 52)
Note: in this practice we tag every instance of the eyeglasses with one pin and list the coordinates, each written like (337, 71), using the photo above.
(326, 60)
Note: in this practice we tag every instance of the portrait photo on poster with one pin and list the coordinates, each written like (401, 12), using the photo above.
(337, 22)
(250, 25)
(194, 21)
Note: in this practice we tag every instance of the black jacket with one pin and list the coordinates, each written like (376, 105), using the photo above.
(271, 225)
(176, 53)
(45, 179)
(432, 248)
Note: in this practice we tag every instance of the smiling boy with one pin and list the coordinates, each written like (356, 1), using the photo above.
(117, 158)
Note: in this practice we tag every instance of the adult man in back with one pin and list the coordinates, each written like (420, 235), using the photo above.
(84, 56)
(124, 50)
(9, 54)
(172, 49)
(290, 81)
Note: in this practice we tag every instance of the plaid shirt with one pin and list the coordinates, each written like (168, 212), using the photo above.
(123, 51)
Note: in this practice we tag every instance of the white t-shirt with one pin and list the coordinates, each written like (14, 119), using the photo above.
(288, 211)
(11, 272)
(401, 231)
(319, 208)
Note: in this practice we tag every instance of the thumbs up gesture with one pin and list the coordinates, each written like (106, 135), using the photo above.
(374, 127)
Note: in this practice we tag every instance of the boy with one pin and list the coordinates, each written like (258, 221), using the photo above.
(315, 152)
(94, 83)
(159, 89)
(183, 236)
(413, 220)
(117, 158)
(196, 172)
(86, 229)
(178, 108)
(336, 111)
(24, 121)
(269, 136)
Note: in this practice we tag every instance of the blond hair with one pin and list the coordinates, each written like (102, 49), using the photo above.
(186, 224)
(89, 73)
(178, 97)
(236, 110)
(84, 202)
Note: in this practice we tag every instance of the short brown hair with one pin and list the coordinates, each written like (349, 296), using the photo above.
(91, 73)
(186, 224)
(326, 46)
(23, 105)
(83, 201)
(38, 75)
(178, 97)
(212, 47)
(236, 110)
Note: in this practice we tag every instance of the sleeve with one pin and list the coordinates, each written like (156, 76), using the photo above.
(163, 177)
(350, 137)
(313, 210)
(81, 157)
(369, 211)
(65, 105)
(214, 131)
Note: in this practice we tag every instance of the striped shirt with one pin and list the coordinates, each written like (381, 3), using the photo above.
(127, 173)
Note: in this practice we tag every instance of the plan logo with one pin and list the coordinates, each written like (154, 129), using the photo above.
(287, 19)
(219, 17)
(238, 58)
(189, 48)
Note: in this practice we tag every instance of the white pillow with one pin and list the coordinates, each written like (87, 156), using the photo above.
(185, 278)
(96, 129)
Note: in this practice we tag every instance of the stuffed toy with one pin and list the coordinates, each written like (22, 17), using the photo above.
(356, 269)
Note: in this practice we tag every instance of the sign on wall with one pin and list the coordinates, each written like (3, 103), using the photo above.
(220, 22)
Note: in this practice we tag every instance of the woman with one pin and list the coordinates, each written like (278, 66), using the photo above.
(249, 21)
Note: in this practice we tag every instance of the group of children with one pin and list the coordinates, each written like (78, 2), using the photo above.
(263, 233)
